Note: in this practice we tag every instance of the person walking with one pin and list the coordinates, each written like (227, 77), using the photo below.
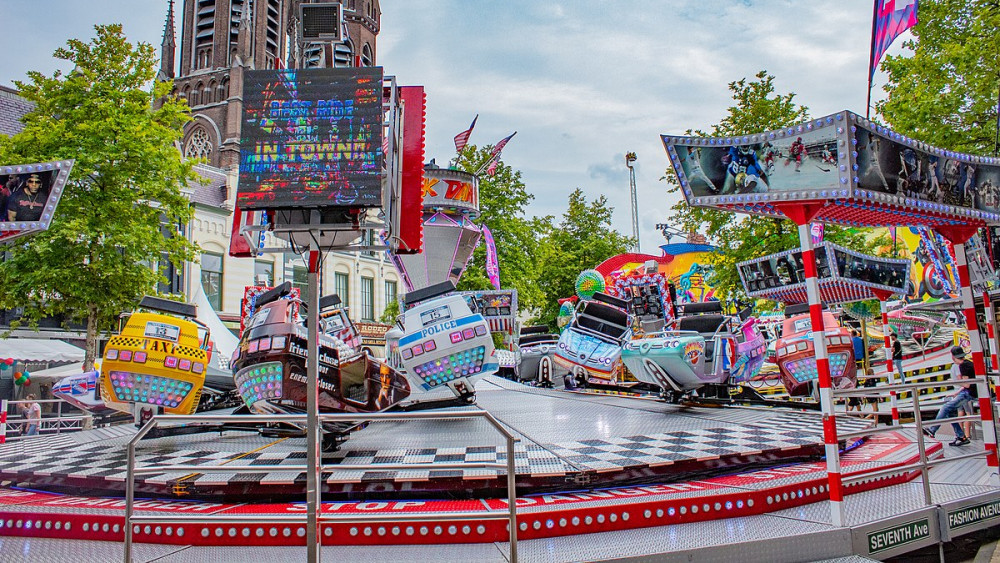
(961, 369)
(32, 413)
(897, 357)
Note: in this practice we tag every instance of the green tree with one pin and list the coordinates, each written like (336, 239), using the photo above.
(742, 237)
(390, 313)
(944, 90)
(502, 202)
(582, 240)
(124, 193)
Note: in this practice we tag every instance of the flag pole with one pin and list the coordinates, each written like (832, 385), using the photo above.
(871, 59)
(495, 156)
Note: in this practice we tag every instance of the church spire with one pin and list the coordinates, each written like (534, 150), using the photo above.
(168, 46)
(244, 38)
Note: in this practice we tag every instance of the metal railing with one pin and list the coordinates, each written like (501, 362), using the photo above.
(918, 424)
(48, 424)
(131, 519)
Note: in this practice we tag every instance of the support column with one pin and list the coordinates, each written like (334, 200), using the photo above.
(991, 335)
(978, 361)
(825, 382)
(3, 421)
(890, 371)
(313, 431)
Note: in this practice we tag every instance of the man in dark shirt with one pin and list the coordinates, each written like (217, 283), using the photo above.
(962, 369)
(29, 202)
(8, 188)
(897, 356)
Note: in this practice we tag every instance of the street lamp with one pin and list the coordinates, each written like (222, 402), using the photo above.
(629, 159)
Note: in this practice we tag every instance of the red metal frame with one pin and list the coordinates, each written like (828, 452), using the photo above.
(411, 230)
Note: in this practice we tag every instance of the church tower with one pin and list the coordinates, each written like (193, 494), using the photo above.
(222, 39)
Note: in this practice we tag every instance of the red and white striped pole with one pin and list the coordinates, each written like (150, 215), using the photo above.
(3, 421)
(978, 361)
(991, 319)
(890, 371)
(825, 382)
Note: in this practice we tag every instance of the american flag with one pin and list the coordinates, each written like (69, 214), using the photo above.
(503, 143)
(491, 164)
(892, 18)
(462, 138)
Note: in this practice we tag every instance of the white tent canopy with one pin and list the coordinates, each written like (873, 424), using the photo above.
(39, 350)
(225, 342)
(52, 375)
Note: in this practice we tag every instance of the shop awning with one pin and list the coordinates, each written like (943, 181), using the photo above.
(39, 350)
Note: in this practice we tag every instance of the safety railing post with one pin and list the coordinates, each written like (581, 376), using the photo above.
(890, 370)
(3, 421)
(132, 471)
(921, 449)
(130, 484)
(512, 497)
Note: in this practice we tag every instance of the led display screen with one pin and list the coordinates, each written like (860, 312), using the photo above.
(870, 269)
(781, 270)
(805, 161)
(787, 268)
(29, 194)
(311, 138)
(889, 167)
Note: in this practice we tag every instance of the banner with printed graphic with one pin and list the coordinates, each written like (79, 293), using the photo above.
(492, 264)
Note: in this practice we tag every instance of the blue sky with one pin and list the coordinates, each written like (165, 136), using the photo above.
(582, 81)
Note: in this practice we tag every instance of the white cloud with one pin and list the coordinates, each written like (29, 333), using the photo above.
(582, 81)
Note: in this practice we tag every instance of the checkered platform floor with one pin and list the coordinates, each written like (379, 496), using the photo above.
(696, 435)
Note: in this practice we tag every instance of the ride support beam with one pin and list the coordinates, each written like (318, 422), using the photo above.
(818, 336)
(883, 306)
(978, 360)
(991, 329)
(958, 236)
(313, 431)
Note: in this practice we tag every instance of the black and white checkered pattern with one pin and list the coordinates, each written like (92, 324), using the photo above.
(101, 454)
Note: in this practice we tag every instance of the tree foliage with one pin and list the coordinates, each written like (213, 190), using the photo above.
(582, 240)
(503, 199)
(123, 195)
(944, 90)
(740, 237)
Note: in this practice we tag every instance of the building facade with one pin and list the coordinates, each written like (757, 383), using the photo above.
(222, 39)
(219, 41)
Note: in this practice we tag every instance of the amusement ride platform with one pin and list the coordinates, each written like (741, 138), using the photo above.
(599, 477)
(564, 439)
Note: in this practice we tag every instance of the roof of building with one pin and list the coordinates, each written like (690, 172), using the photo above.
(212, 192)
(12, 109)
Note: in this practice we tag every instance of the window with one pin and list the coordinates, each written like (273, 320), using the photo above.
(342, 287)
(211, 278)
(263, 273)
(300, 279)
(199, 145)
(367, 299)
(390, 292)
(368, 239)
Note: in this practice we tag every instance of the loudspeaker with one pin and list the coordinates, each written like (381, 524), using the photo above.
(321, 22)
